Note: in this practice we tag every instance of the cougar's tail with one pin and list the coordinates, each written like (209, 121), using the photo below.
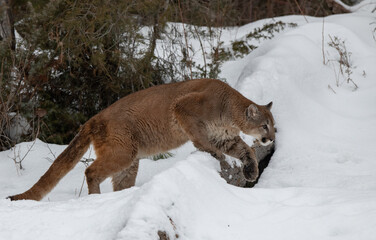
(59, 168)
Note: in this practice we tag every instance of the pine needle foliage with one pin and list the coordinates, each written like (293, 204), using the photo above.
(87, 55)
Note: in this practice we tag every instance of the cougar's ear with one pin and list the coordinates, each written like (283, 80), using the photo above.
(252, 111)
(269, 105)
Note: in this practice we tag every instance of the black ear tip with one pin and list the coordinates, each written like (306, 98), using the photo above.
(269, 105)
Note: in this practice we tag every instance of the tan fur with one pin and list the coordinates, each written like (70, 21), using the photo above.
(208, 112)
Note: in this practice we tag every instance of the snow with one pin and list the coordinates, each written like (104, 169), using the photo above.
(366, 6)
(320, 183)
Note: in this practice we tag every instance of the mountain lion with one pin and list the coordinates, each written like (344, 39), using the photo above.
(207, 112)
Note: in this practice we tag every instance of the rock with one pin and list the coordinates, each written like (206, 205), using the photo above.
(163, 235)
(14, 126)
(234, 175)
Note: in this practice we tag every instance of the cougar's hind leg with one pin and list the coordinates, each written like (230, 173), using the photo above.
(126, 178)
(111, 159)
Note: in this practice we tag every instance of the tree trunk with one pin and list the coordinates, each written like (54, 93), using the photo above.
(7, 23)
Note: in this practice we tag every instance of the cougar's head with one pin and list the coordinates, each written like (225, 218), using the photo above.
(260, 123)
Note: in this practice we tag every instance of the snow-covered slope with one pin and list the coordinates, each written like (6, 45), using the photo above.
(326, 139)
(320, 183)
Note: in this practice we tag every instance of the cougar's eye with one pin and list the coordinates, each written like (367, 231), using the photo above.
(265, 127)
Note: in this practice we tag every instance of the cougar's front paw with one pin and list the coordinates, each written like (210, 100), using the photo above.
(250, 171)
(219, 156)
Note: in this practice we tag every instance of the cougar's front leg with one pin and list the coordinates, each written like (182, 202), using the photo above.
(237, 148)
(199, 137)
(189, 112)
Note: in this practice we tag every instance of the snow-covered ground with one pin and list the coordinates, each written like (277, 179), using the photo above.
(320, 183)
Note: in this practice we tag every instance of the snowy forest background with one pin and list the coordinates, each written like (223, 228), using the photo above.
(62, 61)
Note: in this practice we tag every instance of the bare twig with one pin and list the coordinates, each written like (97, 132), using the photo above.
(185, 38)
(300, 9)
(374, 30)
(322, 41)
(82, 186)
(53, 154)
(355, 85)
(330, 87)
(86, 162)
(345, 65)
(202, 49)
